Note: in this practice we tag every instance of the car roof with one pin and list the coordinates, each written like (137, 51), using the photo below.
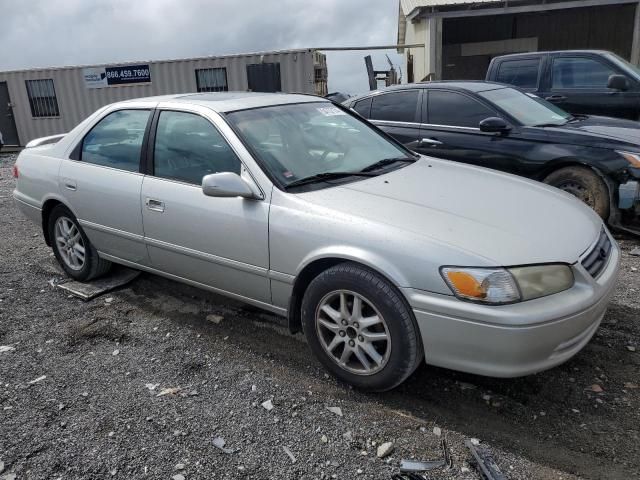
(469, 85)
(532, 54)
(230, 101)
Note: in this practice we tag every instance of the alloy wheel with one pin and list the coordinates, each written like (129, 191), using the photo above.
(352, 332)
(70, 243)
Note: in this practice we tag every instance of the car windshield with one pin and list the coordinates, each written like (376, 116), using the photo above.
(528, 110)
(319, 140)
(621, 61)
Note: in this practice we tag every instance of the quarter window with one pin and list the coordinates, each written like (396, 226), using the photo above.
(363, 107)
(42, 98)
(521, 73)
(397, 106)
(188, 147)
(456, 109)
(580, 72)
(116, 141)
(211, 80)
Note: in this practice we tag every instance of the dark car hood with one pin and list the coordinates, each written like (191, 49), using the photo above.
(604, 128)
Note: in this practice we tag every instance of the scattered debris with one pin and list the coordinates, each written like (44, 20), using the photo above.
(475, 441)
(108, 300)
(336, 410)
(324, 439)
(9, 476)
(39, 379)
(596, 388)
(385, 449)
(410, 467)
(220, 443)
(179, 466)
(631, 348)
(119, 277)
(152, 386)
(178, 476)
(289, 454)
(6, 348)
(214, 318)
(254, 388)
(437, 431)
(466, 386)
(169, 391)
(631, 385)
(115, 352)
(1, 467)
(484, 462)
(635, 252)
(267, 405)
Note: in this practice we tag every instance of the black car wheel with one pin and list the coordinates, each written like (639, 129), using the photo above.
(72, 247)
(360, 327)
(584, 184)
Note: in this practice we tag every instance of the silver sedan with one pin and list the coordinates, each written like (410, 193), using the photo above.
(380, 256)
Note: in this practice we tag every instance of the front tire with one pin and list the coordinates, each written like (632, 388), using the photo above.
(584, 184)
(360, 328)
(72, 248)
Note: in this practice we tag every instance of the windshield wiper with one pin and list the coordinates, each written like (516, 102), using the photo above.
(320, 177)
(387, 161)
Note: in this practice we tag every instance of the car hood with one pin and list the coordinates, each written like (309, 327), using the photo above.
(617, 129)
(499, 218)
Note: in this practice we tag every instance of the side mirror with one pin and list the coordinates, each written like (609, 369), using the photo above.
(494, 125)
(618, 82)
(226, 185)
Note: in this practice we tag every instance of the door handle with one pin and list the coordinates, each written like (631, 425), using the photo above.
(429, 142)
(155, 205)
(69, 184)
(555, 98)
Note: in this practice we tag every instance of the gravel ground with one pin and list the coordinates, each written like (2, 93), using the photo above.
(84, 391)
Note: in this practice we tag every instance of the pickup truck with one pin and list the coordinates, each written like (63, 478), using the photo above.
(589, 82)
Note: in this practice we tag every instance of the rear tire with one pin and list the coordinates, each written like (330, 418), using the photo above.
(72, 248)
(584, 184)
(349, 308)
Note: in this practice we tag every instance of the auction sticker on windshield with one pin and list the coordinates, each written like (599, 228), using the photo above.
(330, 111)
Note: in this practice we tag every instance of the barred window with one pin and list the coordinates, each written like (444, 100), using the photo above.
(212, 79)
(42, 98)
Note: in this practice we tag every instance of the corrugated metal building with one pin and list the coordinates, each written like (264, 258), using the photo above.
(48, 101)
(460, 37)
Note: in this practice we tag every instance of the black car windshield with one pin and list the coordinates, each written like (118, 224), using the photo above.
(319, 140)
(528, 110)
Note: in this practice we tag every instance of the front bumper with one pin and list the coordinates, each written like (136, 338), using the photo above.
(514, 340)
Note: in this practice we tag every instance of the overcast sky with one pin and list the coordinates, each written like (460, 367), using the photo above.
(41, 33)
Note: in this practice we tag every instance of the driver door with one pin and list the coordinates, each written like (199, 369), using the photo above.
(218, 242)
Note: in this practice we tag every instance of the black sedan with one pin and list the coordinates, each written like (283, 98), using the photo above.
(491, 125)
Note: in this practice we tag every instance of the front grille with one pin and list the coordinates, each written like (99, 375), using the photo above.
(595, 261)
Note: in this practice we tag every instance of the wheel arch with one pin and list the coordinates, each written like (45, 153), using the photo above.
(317, 264)
(564, 162)
(47, 207)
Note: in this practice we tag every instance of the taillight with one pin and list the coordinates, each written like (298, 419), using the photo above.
(16, 173)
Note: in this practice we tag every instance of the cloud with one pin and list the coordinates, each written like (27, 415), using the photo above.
(42, 33)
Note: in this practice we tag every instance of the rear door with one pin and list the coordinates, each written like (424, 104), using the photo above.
(397, 113)
(102, 181)
(452, 132)
(578, 84)
(218, 242)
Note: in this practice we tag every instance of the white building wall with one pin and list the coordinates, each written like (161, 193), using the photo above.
(426, 61)
(76, 101)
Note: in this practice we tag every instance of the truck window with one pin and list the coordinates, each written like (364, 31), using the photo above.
(520, 73)
(580, 72)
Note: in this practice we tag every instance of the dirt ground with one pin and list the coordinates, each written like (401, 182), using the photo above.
(81, 385)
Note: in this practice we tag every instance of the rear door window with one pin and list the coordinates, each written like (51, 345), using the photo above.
(187, 147)
(397, 106)
(116, 141)
(580, 72)
(521, 73)
(456, 109)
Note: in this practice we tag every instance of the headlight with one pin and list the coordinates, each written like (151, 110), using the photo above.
(501, 285)
(632, 158)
